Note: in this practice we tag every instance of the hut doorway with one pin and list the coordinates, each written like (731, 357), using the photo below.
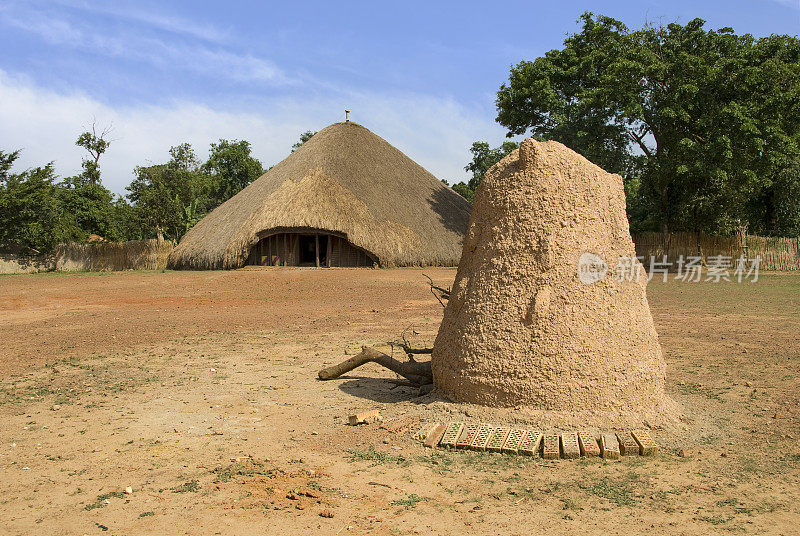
(308, 248)
(314, 250)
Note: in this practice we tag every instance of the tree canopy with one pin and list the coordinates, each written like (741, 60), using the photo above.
(483, 158)
(31, 218)
(703, 124)
(231, 169)
(304, 137)
(37, 210)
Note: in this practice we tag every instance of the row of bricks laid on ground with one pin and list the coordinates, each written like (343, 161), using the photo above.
(567, 445)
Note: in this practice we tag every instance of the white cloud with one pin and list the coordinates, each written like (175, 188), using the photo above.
(133, 44)
(435, 132)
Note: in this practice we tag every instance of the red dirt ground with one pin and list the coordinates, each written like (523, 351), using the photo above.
(198, 391)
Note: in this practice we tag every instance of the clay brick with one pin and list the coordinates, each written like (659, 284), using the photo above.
(647, 447)
(514, 441)
(424, 430)
(467, 435)
(609, 446)
(550, 451)
(498, 439)
(570, 449)
(402, 424)
(434, 436)
(451, 434)
(530, 445)
(627, 445)
(364, 417)
(588, 443)
(482, 437)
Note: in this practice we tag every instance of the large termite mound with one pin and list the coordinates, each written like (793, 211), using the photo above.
(539, 316)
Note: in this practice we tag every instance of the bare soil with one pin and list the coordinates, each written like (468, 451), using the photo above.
(198, 391)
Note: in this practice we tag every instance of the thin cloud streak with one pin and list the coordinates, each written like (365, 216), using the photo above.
(136, 46)
(171, 24)
(794, 4)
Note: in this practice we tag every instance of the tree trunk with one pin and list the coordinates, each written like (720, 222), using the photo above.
(419, 373)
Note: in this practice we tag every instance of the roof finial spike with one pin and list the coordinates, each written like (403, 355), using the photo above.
(347, 116)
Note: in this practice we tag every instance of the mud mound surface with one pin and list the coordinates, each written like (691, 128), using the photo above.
(538, 316)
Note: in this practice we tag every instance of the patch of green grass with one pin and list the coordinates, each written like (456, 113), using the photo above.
(243, 468)
(689, 389)
(192, 486)
(712, 393)
(147, 514)
(100, 501)
(621, 492)
(571, 504)
(438, 461)
(715, 520)
(551, 487)
(749, 467)
(410, 502)
(375, 456)
(491, 462)
(728, 502)
(708, 439)
(767, 506)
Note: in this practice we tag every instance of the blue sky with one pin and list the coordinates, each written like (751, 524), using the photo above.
(421, 74)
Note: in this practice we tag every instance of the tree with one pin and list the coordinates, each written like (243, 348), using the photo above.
(483, 158)
(31, 218)
(6, 162)
(127, 221)
(84, 195)
(554, 96)
(779, 207)
(95, 145)
(700, 119)
(786, 196)
(162, 193)
(231, 168)
(91, 206)
(304, 137)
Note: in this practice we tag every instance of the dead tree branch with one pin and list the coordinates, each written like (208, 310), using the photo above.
(418, 373)
(406, 345)
(415, 372)
(438, 292)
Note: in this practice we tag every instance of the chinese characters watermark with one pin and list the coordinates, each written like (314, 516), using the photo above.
(688, 269)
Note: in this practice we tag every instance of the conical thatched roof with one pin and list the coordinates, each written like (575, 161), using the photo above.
(347, 180)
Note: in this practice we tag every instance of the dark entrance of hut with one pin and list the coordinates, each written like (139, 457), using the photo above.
(307, 248)
(313, 250)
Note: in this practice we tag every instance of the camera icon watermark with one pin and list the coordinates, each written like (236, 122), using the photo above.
(591, 268)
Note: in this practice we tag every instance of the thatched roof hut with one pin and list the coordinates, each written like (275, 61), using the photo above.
(346, 197)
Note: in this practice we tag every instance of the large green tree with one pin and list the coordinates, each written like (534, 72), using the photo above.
(32, 219)
(84, 196)
(91, 204)
(699, 121)
(171, 197)
(231, 168)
